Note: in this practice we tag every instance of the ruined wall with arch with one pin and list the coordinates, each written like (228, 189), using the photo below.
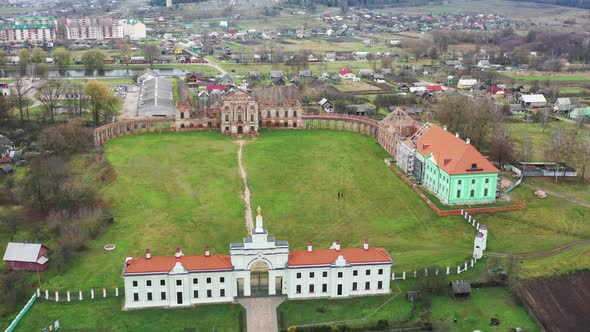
(384, 134)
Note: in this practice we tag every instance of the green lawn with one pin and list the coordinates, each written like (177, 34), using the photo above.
(356, 311)
(475, 312)
(564, 262)
(551, 78)
(535, 133)
(295, 177)
(106, 314)
(172, 190)
(471, 314)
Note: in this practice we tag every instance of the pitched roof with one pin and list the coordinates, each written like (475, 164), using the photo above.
(212, 87)
(345, 71)
(160, 264)
(329, 256)
(452, 154)
(538, 98)
(22, 252)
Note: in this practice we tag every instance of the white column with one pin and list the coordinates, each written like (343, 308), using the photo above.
(458, 269)
(472, 262)
(272, 290)
(80, 294)
(470, 219)
(465, 266)
(448, 270)
(392, 275)
(92, 293)
(247, 291)
(46, 294)
(69, 298)
(104, 292)
(117, 291)
(404, 275)
(38, 292)
(56, 296)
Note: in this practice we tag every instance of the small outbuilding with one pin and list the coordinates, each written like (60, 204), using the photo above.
(26, 256)
(460, 288)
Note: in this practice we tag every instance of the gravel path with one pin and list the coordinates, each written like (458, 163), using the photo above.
(246, 196)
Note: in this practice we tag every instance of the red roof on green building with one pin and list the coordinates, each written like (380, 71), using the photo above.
(453, 154)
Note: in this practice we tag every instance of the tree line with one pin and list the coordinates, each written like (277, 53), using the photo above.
(56, 199)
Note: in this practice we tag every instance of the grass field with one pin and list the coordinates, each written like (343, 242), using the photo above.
(471, 314)
(550, 78)
(106, 315)
(295, 177)
(475, 313)
(180, 190)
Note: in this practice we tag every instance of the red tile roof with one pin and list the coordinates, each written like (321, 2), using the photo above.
(190, 262)
(329, 256)
(434, 88)
(212, 87)
(345, 71)
(452, 154)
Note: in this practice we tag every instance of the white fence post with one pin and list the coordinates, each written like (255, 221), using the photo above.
(92, 293)
(47, 294)
(104, 292)
(38, 292)
(80, 294)
(465, 266)
(458, 269)
(56, 296)
(117, 291)
(448, 270)
(69, 296)
(415, 274)
(426, 272)
(470, 219)
(404, 275)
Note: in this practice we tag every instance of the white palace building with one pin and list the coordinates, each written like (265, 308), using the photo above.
(258, 266)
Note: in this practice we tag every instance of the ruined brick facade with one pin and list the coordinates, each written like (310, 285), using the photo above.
(240, 113)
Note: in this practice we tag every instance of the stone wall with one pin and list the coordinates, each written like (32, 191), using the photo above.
(129, 127)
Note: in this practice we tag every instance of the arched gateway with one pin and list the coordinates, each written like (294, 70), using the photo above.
(257, 266)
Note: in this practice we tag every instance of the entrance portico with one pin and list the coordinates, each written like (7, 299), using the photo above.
(260, 262)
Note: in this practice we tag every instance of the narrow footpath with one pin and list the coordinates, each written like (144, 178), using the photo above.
(261, 312)
(558, 195)
(246, 195)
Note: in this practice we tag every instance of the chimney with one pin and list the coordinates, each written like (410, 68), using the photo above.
(148, 254)
(457, 134)
(366, 245)
(207, 252)
(445, 128)
(337, 245)
(309, 247)
(178, 253)
(468, 140)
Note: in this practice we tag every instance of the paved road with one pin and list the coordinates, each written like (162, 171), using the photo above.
(261, 313)
(558, 195)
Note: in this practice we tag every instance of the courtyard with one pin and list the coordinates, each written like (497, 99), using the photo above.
(184, 190)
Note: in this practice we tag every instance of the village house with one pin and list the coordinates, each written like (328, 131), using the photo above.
(346, 74)
(448, 167)
(26, 256)
(533, 101)
(258, 266)
(565, 105)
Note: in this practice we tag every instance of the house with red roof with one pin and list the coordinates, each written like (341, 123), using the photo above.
(452, 169)
(346, 74)
(260, 265)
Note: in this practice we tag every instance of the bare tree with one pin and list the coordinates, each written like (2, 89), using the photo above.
(583, 155)
(527, 149)
(49, 94)
(152, 52)
(19, 97)
(501, 150)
